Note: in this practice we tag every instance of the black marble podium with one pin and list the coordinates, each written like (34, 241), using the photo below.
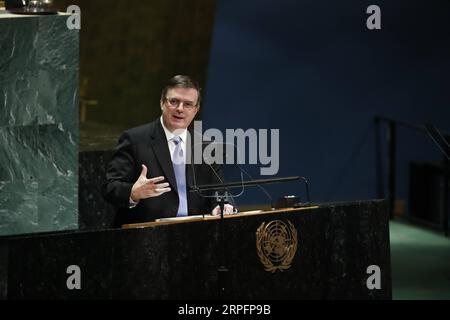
(179, 260)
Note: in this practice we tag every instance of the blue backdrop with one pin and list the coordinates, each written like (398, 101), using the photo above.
(314, 70)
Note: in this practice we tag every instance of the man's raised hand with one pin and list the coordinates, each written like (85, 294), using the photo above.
(145, 188)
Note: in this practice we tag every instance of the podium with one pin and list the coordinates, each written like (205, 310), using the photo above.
(335, 246)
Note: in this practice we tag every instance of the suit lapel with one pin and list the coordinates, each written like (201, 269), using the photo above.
(161, 150)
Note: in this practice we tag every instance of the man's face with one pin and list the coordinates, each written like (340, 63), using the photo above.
(179, 108)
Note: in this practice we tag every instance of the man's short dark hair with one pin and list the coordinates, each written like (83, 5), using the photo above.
(181, 81)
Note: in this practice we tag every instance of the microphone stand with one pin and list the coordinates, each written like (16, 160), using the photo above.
(222, 270)
(223, 187)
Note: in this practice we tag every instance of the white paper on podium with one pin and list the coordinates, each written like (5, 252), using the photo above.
(250, 212)
(205, 217)
(180, 218)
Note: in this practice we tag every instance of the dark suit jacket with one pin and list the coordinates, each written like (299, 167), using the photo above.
(147, 145)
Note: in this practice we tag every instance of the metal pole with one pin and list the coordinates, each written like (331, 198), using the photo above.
(378, 160)
(392, 139)
(222, 270)
(445, 198)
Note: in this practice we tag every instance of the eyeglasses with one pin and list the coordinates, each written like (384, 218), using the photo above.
(175, 103)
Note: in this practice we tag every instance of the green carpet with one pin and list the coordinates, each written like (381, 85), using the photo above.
(420, 261)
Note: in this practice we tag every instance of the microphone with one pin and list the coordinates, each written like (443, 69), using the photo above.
(266, 193)
(270, 197)
(195, 188)
(264, 190)
(228, 190)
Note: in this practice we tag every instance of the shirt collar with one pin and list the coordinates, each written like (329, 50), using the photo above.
(182, 133)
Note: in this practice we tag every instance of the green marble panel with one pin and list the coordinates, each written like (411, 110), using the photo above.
(18, 207)
(18, 146)
(38, 72)
(57, 152)
(57, 55)
(18, 72)
(39, 126)
(58, 204)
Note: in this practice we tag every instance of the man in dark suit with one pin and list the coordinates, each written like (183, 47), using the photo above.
(150, 173)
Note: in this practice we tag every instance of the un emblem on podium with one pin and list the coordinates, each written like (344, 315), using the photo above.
(276, 244)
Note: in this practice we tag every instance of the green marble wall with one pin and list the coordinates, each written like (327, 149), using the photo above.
(39, 127)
